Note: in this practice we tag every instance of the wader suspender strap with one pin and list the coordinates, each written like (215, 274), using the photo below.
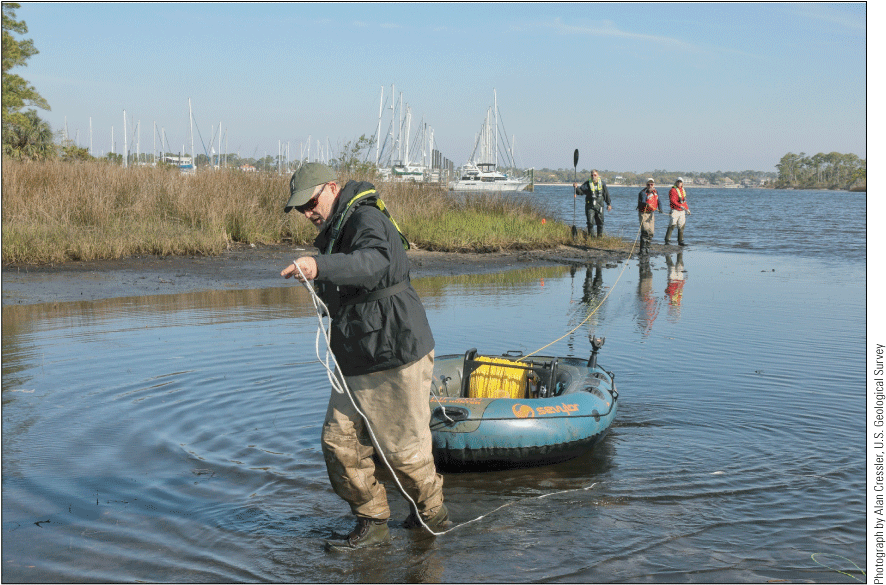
(377, 294)
(346, 214)
(595, 195)
(349, 209)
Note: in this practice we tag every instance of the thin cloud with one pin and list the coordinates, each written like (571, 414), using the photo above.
(607, 28)
(826, 14)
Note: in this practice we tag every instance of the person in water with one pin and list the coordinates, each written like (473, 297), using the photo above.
(679, 209)
(596, 194)
(383, 344)
(647, 204)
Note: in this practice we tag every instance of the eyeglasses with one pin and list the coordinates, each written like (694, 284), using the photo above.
(312, 202)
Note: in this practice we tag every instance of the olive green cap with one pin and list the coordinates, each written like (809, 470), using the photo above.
(304, 181)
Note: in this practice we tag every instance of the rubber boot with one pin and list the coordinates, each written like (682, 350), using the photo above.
(668, 235)
(368, 532)
(643, 245)
(599, 231)
(440, 517)
(680, 237)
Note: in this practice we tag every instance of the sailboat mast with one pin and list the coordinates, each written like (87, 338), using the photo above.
(191, 116)
(125, 141)
(495, 120)
(381, 103)
(408, 125)
(391, 141)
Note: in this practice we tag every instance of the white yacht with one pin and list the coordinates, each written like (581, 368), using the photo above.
(481, 172)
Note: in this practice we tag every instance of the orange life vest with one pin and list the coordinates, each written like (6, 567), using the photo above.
(651, 201)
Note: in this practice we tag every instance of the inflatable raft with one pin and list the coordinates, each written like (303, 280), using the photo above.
(508, 411)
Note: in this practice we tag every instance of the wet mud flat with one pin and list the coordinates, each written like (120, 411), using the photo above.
(249, 267)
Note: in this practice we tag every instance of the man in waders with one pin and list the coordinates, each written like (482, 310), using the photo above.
(382, 342)
(679, 209)
(647, 204)
(596, 193)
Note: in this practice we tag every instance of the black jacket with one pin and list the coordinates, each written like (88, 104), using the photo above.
(367, 256)
(590, 199)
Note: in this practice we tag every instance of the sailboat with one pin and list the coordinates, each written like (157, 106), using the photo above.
(481, 172)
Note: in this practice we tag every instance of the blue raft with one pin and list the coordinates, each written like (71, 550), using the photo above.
(508, 411)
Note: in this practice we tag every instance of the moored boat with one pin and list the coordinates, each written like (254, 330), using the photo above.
(485, 177)
(481, 172)
(508, 411)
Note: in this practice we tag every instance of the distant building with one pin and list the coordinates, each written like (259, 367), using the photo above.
(247, 168)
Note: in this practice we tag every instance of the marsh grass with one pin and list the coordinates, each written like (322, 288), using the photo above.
(55, 212)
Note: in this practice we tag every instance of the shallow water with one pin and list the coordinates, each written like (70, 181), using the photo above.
(176, 438)
(820, 224)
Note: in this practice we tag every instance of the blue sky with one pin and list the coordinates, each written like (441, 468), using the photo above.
(689, 87)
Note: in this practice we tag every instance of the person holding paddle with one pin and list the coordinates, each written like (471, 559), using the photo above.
(596, 193)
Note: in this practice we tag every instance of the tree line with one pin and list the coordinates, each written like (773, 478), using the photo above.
(821, 171)
(662, 177)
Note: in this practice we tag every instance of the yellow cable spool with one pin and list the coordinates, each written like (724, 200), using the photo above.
(490, 381)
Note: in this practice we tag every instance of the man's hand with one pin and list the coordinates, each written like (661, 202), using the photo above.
(308, 266)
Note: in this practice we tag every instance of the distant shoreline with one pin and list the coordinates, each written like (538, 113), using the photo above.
(688, 186)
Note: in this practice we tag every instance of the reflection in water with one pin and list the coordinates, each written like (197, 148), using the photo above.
(649, 304)
(592, 293)
(589, 312)
(676, 281)
(175, 438)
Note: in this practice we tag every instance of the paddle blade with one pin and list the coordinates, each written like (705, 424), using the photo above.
(575, 158)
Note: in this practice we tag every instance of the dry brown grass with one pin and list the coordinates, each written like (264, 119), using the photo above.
(55, 212)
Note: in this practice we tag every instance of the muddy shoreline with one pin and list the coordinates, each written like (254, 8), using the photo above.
(248, 267)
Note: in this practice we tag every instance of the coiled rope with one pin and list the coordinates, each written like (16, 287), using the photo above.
(340, 385)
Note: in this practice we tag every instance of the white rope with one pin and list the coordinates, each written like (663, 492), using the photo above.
(341, 387)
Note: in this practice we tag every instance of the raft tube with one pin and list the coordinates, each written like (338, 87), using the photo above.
(566, 409)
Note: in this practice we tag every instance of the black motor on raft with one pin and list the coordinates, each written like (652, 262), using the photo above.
(493, 412)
